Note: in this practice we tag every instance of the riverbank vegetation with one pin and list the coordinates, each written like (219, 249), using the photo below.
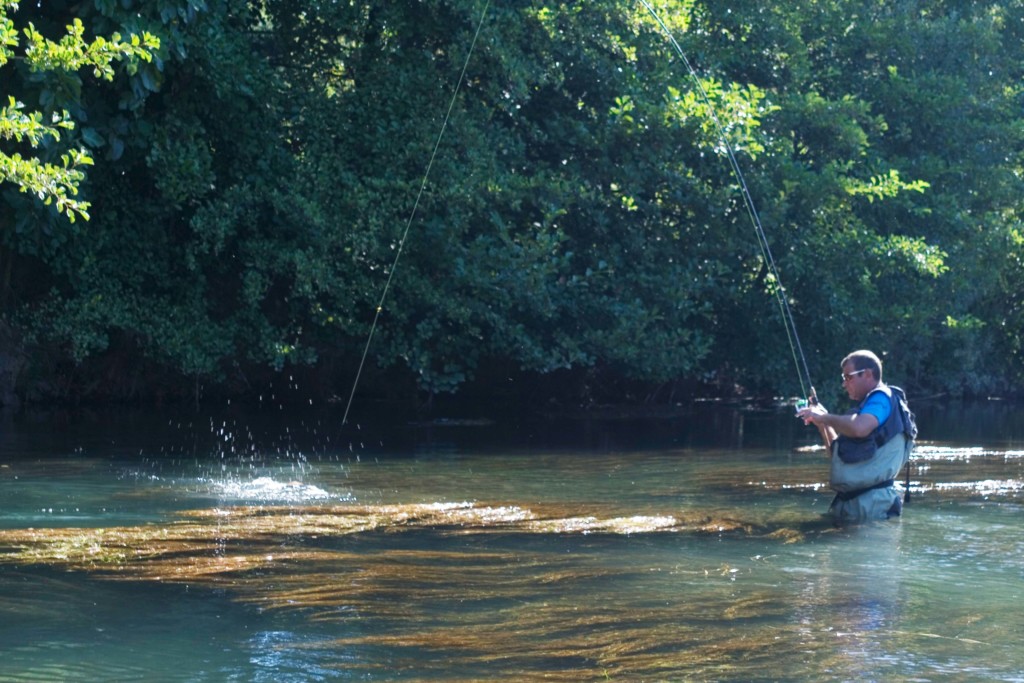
(580, 233)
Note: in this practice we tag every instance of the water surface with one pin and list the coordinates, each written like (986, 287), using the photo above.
(284, 547)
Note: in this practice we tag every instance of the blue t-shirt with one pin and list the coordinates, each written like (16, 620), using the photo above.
(879, 405)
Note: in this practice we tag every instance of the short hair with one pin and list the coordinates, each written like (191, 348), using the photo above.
(864, 360)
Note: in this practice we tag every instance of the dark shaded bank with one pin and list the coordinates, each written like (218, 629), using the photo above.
(35, 375)
(273, 426)
(43, 377)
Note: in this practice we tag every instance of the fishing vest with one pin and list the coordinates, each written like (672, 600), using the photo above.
(875, 460)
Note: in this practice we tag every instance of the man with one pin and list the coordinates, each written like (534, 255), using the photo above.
(869, 444)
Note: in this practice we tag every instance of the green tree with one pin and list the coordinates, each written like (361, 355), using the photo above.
(580, 216)
(886, 204)
(181, 263)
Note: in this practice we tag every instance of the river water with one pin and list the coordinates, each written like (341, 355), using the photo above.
(276, 545)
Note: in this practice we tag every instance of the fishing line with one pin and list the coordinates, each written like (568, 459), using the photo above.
(799, 359)
(412, 214)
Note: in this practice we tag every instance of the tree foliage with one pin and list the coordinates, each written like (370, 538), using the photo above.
(60, 60)
(255, 180)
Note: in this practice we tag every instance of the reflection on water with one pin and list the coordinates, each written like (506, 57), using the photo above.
(488, 555)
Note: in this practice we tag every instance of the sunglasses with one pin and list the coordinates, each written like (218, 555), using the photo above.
(848, 377)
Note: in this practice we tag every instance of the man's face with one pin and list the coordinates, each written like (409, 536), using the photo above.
(857, 382)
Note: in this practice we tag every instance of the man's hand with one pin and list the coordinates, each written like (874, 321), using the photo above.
(812, 414)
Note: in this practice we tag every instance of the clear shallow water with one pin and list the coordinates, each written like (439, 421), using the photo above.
(148, 547)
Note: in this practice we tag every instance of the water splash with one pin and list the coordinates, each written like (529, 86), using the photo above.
(270, 490)
(936, 452)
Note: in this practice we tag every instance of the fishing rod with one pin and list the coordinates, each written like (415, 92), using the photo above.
(796, 349)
